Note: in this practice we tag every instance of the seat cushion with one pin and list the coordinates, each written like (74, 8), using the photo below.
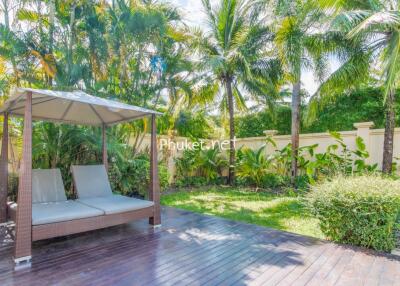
(47, 186)
(43, 213)
(116, 203)
(91, 181)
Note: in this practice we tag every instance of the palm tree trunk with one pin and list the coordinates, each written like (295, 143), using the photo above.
(389, 134)
(71, 40)
(295, 128)
(231, 178)
(52, 8)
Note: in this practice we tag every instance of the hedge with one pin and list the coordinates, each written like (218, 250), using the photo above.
(359, 210)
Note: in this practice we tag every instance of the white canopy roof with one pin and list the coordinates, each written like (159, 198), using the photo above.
(76, 107)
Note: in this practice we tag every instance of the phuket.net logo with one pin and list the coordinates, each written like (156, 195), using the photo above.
(185, 144)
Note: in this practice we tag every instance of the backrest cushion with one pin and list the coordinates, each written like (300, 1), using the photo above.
(91, 181)
(47, 186)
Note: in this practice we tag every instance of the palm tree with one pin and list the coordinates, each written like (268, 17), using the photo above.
(377, 24)
(297, 44)
(304, 43)
(234, 59)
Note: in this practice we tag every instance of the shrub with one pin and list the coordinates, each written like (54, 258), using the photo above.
(252, 165)
(271, 180)
(133, 177)
(204, 166)
(192, 181)
(359, 210)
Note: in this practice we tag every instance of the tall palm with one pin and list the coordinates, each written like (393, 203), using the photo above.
(234, 59)
(304, 43)
(296, 41)
(377, 23)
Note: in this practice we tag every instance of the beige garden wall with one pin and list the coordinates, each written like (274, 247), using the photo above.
(373, 139)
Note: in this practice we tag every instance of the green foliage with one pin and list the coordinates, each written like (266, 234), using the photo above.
(274, 181)
(60, 146)
(197, 166)
(338, 159)
(360, 105)
(252, 165)
(360, 210)
(255, 123)
(132, 177)
(12, 186)
(194, 125)
(255, 168)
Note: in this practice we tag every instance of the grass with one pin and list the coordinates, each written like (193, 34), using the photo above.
(283, 212)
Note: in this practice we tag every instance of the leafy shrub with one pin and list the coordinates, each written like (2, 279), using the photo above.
(133, 177)
(252, 166)
(193, 181)
(271, 180)
(333, 162)
(359, 210)
(196, 163)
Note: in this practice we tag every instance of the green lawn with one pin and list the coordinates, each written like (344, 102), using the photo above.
(282, 212)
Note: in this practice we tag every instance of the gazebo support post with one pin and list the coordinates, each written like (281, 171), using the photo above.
(104, 146)
(4, 171)
(154, 190)
(23, 224)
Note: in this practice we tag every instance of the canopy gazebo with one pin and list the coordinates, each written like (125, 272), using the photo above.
(76, 107)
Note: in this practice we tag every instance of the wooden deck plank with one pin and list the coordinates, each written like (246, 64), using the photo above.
(195, 249)
(277, 276)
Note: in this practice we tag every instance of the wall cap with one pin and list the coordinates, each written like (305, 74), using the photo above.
(368, 124)
(270, 132)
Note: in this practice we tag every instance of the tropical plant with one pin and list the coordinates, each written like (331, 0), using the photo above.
(210, 163)
(376, 24)
(253, 165)
(131, 176)
(233, 58)
(198, 163)
(303, 43)
(338, 159)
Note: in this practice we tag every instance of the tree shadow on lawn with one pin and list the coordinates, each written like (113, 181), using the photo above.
(279, 212)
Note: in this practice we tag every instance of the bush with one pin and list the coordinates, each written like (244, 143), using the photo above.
(252, 165)
(274, 181)
(359, 210)
(199, 167)
(133, 177)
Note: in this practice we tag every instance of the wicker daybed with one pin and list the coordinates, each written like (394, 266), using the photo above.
(42, 210)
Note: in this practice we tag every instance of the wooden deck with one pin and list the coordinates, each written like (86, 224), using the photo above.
(193, 249)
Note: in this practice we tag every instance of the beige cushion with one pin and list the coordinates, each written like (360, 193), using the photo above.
(116, 203)
(47, 186)
(91, 181)
(43, 213)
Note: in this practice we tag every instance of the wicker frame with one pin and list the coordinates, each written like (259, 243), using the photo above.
(23, 221)
(45, 231)
(4, 171)
(25, 232)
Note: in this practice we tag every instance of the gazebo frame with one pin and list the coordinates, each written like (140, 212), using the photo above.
(25, 232)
